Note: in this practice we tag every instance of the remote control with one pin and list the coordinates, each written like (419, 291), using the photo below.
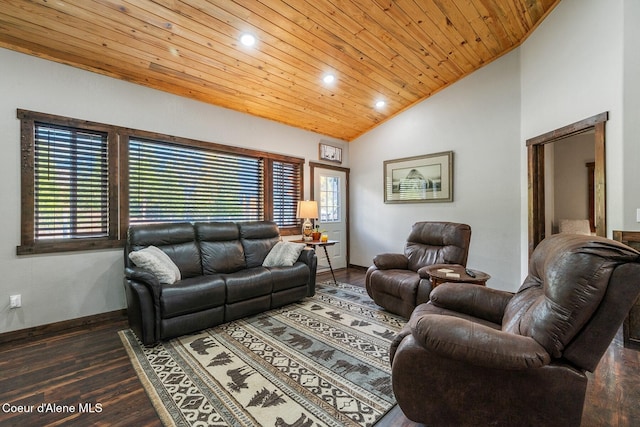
(469, 272)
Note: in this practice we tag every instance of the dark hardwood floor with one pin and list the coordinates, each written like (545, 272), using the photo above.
(87, 370)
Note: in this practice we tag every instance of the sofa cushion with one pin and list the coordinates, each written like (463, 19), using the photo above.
(283, 254)
(289, 277)
(258, 238)
(192, 295)
(177, 240)
(220, 247)
(247, 284)
(156, 261)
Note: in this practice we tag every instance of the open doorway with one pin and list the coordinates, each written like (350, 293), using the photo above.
(569, 192)
(592, 128)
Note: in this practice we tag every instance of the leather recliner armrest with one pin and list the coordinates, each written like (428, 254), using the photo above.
(393, 348)
(422, 272)
(391, 261)
(477, 301)
(461, 339)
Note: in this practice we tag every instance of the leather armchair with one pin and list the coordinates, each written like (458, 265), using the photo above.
(480, 356)
(398, 282)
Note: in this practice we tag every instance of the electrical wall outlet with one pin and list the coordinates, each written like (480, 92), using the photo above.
(15, 301)
(638, 215)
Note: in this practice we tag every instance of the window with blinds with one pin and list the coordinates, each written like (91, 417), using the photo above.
(83, 183)
(71, 183)
(286, 193)
(176, 183)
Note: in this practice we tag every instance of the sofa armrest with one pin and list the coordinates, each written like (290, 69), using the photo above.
(391, 261)
(151, 282)
(309, 257)
(474, 300)
(143, 292)
(145, 277)
(461, 339)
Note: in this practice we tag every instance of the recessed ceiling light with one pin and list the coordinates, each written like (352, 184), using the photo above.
(380, 104)
(329, 78)
(248, 39)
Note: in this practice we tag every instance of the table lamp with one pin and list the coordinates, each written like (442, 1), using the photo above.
(307, 209)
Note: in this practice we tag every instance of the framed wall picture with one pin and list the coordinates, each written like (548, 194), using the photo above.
(330, 153)
(427, 178)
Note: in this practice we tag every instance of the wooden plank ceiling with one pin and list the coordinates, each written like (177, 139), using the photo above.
(399, 51)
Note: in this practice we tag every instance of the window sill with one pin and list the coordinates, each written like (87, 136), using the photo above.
(68, 246)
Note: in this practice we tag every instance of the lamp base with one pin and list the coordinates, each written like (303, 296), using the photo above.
(307, 229)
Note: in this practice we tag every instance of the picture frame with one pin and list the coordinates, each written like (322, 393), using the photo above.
(330, 153)
(419, 179)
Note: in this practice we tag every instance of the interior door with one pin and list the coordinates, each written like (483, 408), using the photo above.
(330, 187)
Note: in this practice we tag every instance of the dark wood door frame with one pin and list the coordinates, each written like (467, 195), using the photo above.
(535, 175)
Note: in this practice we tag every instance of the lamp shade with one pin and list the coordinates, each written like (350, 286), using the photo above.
(307, 209)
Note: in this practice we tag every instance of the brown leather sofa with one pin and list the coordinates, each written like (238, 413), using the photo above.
(479, 356)
(222, 277)
(398, 282)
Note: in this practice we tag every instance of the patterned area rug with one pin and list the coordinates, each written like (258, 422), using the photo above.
(321, 362)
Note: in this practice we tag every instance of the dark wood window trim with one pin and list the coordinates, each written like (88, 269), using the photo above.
(29, 243)
(118, 186)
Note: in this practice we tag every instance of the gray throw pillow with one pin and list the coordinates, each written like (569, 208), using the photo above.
(155, 260)
(283, 254)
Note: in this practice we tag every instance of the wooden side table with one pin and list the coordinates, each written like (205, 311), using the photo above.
(319, 243)
(442, 273)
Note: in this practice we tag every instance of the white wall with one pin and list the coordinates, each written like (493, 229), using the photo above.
(631, 115)
(70, 285)
(479, 119)
(571, 178)
(572, 69)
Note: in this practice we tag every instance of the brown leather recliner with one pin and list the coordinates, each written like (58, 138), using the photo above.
(479, 356)
(398, 282)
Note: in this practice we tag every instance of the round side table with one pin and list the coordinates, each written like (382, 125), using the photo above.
(442, 273)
